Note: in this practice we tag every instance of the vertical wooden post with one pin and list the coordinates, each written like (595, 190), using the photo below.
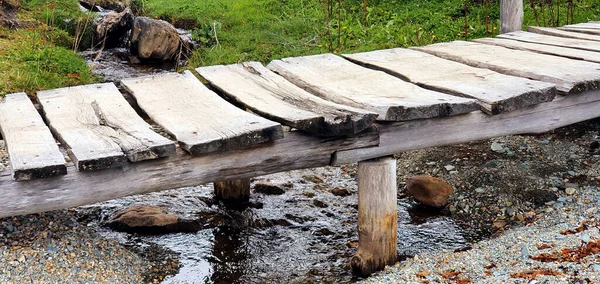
(233, 191)
(511, 16)
(377, 216)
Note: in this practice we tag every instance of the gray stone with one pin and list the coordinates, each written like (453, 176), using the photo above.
(154, 39)
(112, 28)
(497, 147)
(449, 167)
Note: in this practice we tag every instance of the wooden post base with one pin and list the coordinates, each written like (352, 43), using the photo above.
(233, 191)
(377, 216)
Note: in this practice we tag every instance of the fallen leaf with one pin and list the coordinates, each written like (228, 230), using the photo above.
(532, 274)
(452, 274)
(545, 246)
(463, 280)
(423, 274)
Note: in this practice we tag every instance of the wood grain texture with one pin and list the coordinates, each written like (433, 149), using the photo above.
(494, 92)
(377, 216)
(412, 135)
(99, 127)
(270, 95)
(32, 151)
(235, 191)
(511, 16)
(338, 80)
(295, 151)
(574, 43)
(569, 76)
(562, 34)
(198, 118)
(581, 30)
(571, 53)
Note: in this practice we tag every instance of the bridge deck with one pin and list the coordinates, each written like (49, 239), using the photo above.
(342, 109)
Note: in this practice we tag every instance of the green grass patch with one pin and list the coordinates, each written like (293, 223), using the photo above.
(30, 61)
(264, 30)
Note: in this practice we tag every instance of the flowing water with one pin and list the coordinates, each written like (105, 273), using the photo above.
(306, 234)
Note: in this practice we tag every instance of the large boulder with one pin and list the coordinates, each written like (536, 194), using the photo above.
(429, 190)
(154, 39)
(113, 28)
(115, 5)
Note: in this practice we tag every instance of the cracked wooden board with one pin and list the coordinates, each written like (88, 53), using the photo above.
(273, 97)
(571, 53)
(574, 43)
(197, 117)
(99, 128)
(569, 76)
(338, 80)
(32, 151)
(562, 33)
(494, 92)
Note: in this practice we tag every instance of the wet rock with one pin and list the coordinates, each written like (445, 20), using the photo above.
(154, 39)
(323, 232)
(429, 190)
(340, 192)
(8, 13)
(116, 5)
(313, 179)
(539, 197)
(268, 188)
(113, 27)
(320, 203)
(149, 220)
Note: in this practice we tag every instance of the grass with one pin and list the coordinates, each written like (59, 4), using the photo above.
(264, 30)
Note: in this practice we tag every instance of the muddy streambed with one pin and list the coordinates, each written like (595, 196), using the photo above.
(305, 234)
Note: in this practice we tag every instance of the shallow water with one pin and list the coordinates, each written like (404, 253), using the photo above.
(280, 238)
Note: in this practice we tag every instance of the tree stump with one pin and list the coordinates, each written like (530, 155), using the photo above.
(377, 216)
(233, 191)
(511, 16)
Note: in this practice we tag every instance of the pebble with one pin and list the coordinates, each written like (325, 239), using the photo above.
(480, 190)
(449, 167)
(570, 191)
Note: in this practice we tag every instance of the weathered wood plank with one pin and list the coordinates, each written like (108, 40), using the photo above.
(563, 34)
(495, 92)
(588, 25)
(412, 135)
(99, 128)
(511, 15)
(569, 76)
(198, 118)
(295, 151)
(544, 49)
(553, 40)
(581, 30)
(32, 151)
(338, 80)
(268, 94)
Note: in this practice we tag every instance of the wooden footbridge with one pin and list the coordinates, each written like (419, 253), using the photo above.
(172, 131)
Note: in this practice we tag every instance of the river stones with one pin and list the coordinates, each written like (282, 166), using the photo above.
(154, 39)
(429, 191)
(112, 28)
(115, 5)
(150, 220)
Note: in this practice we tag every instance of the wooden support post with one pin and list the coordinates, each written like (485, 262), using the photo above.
(233, 191)
(377, 216)
(511, 16)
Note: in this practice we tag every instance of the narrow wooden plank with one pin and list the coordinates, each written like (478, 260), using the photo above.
(338, 80)
(588, 25)
(100, 128)
(297, 150)
(563, 34)
(553, 40)
(571, 53)
(581, 30)
(270, 95)
(570, 76)
(494, 92)
(412, 135)
(511, 15)
(32, 151)
(198, 118)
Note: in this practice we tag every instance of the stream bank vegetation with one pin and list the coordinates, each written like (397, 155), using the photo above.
(42, 56)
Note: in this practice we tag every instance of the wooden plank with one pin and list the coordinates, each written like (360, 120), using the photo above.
(412, 135)
(99, 127)
(511, 15)
(198, 118)
(296, 150)
(338, 80)
(588, 25)
(562, 34)
(495, 92)
(544, 49)
(32, 151)
(570, 76)
(581, 30)
(553, 40)
(270, 95)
